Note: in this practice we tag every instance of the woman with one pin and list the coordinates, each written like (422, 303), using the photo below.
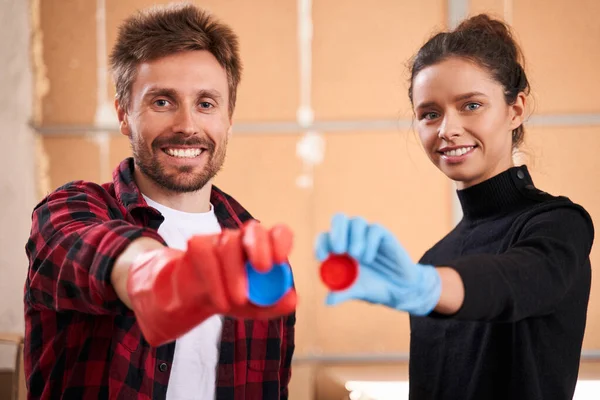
(498, 306)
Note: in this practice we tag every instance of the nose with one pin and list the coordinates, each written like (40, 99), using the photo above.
(185, 122)
(450, 127)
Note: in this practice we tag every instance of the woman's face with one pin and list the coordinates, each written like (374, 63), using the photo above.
(463, 120)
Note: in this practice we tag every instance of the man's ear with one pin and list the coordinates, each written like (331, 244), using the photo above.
(122, 115)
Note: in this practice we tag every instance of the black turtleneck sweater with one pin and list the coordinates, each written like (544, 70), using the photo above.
(523, 256)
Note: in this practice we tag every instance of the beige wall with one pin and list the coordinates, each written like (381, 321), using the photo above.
(17, 195)
(359, 77)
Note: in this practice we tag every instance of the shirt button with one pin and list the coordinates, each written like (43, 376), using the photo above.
(520, 174)
(163, 367)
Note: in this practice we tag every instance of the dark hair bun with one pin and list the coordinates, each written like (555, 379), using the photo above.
(483, 25)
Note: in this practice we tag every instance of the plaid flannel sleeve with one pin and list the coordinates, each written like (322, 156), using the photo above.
(287, 353)
(77, 233)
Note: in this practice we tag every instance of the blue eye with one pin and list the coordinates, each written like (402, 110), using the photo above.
(472, 106)
(161, 103)
(429, 116)
(206, 105)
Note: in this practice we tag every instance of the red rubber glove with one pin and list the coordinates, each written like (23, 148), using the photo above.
(172, 291)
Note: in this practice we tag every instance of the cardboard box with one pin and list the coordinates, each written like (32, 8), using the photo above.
(18, 389)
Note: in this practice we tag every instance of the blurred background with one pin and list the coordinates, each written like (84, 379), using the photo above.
(322, 124)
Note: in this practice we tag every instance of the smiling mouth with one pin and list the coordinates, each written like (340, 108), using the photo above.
(457, 152)
(183, 153)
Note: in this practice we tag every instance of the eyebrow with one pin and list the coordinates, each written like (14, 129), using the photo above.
(469, 95)
(460, 97)
(172, 93)
(209, 93)
(160, 92)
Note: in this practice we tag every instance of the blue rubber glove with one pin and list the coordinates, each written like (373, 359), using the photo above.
(387, 275)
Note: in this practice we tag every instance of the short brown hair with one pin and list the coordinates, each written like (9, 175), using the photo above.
(160, 31)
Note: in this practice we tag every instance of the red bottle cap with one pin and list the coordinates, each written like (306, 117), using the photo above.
(339, 271)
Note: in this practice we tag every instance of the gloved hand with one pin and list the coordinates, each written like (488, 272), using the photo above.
(172, 291)
(387, 275)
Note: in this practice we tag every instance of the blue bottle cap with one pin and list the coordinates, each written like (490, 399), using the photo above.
(267, 288)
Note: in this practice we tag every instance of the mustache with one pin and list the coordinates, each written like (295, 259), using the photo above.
(181, 141)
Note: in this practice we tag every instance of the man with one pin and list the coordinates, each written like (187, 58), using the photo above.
(137, 288)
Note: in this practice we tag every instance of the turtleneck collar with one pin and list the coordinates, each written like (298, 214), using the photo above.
(497, 195)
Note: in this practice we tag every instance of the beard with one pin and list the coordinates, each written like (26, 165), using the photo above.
(184, 179)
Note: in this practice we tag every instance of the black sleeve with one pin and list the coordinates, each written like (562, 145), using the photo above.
(531, 278)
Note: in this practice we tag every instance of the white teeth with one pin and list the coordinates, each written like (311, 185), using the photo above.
(458, 152)
(187, 153)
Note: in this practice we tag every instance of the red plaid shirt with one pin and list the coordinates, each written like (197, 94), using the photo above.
(82, 342)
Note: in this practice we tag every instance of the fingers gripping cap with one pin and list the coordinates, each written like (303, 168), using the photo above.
(339, 272)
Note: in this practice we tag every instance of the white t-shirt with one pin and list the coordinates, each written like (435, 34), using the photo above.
(194, 371)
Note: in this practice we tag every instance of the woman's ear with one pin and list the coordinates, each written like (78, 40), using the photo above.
(517, 111)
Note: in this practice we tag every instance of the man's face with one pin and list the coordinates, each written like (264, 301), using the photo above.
(178, 120)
